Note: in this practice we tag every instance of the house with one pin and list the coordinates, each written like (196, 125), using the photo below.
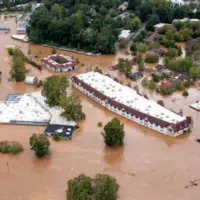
(181, 77)
(196, 106)
(123, 6)
(64, 131)
(59, 63)
(160, 25)
(125, 34)
(21, 29)
(137, 75)
(187, 20)
(126, 102)
(122, 16)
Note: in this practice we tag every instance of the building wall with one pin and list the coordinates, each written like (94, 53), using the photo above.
(56, 69)
(167, 131)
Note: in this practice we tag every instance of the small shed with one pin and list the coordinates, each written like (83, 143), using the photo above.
(125, 34)
(31, 80)
(64, 131)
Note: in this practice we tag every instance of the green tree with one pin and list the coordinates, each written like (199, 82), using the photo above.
(102, 187)
(153, 20)
(196, 56)
(18, 69)
(132, 4)
(105, 187)
(151, 85)
(195, 73)
(172, 53)
(185, 93)
(141, 66)
(79, 188)
(141, 47)
(57, 11)
(40, 144)
(13, 147)
(151, 58)
(114, 133)
(72, 108)
(54, 87)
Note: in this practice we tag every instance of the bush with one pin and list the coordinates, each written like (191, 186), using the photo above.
(185, 93)
(10, 147)
(151, 58)
(156, 78)
(114, 133)
(10, 51)
(56, 137)
(100, 124)
(53, 51)
(34, 64)
(133, 47)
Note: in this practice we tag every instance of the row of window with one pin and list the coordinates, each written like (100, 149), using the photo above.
(122, 112)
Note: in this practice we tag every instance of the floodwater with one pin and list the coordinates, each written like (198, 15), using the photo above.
(148, 166)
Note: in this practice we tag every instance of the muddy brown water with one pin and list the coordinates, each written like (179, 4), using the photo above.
(148, 166)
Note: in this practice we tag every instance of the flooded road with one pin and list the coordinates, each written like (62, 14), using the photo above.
(148, 166)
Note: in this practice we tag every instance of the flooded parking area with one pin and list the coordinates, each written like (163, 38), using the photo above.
(148, 166)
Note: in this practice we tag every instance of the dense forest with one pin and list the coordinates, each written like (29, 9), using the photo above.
(94, 25)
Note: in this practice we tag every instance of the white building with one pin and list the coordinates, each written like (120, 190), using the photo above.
(125, 34)
(126, 102)
(196, 106)
(187, 20)
(59, 63)
(31, 109)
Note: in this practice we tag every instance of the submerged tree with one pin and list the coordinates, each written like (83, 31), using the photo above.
(79, 188)
(40, 144)
(54, 88)
(105, 187)
(72, 108)
(18, 69)
(114, 132)
(102, 187)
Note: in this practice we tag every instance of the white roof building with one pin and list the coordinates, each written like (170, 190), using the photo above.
(125, 101)
(128, 96)
(186, 19)
(30, 109)
(196, 106)
(160, 25)
(125, 34)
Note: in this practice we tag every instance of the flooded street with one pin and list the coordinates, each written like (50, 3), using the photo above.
(148, 166)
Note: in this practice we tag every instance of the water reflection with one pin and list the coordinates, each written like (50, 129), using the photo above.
(113, 155)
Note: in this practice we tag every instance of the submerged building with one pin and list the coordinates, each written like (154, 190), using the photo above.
(31, 109)
(59, 63)
(126, 102)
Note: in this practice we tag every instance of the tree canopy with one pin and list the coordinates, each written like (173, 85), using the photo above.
(114, 133)
(54, 87)
(101, 187)
(40, 144)
(72, 108)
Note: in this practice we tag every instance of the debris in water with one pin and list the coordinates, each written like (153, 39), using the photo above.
(193, 183)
